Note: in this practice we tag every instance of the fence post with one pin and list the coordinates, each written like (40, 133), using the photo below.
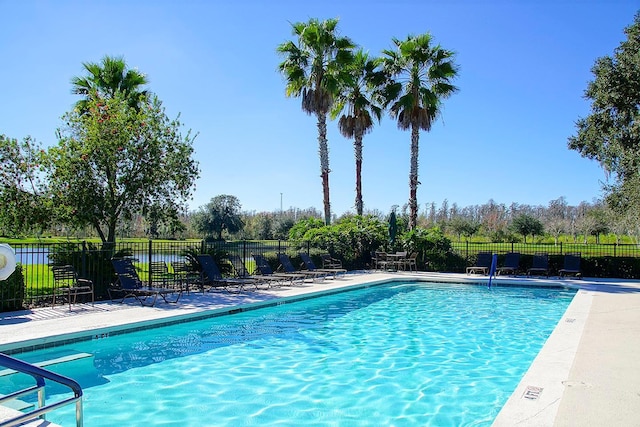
(467, 250)
(560, 247)
(149, 265)
(244, 250)
(83, 258)
(615, 246)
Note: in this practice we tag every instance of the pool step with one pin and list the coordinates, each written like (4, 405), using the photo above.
(63, 357)
(6, 413)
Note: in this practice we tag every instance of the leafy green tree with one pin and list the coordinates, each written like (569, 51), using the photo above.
(23, 192)
(526, 224)
(107, 79)
(421, 75)
(356, 101)
(461, 226)
(313, 67)
(300, 228)
(610, 134)
(222, 213)
(114, 161)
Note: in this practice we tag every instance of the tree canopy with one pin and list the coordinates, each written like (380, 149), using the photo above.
(25, 205)
(610, 134)
(222, 213)
(114, 161)
(107, 79)
(526, 224)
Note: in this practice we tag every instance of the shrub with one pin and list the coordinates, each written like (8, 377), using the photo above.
(352, 238)
(434, 250)
(12, 291)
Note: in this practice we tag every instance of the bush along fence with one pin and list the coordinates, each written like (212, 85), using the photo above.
(32, 284)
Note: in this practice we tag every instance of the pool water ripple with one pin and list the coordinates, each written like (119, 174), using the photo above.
(413, 355)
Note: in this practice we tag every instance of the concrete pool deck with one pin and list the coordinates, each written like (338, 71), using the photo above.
(587, 374)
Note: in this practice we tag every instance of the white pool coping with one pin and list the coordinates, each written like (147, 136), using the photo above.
(570, 382)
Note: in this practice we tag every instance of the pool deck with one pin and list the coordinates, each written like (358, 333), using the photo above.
(587, 374)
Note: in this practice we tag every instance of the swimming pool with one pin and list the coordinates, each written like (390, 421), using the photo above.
(398, 354)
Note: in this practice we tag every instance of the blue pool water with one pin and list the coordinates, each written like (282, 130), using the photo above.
(401, 354)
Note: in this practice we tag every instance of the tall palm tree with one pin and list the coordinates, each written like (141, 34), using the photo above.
(356, 102)
(107, 78)
(313, 67)
(420, 79)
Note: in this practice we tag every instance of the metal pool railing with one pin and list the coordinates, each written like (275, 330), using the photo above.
(39, 375)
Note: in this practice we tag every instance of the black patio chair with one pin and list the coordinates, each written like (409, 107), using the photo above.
(483, 264)
(571, 265)
(130, 285)
(511, 264)
(540, 264)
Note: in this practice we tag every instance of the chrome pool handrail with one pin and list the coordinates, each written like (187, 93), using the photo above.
(40, 374)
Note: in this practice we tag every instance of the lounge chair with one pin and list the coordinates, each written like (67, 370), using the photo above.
(212, 277)
(68, 284)
(242, 273)
(309, 264)
(571, 265)
(287, 266)
(130, 285)
(329, 262)
(540, 264)
(511, 264)
(185, 274)
(265, 270)
(483, 264)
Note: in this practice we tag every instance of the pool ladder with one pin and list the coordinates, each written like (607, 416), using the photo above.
(39, 374)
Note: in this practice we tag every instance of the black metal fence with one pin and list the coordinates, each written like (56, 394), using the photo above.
(36, 286)
(470, 249)
(33, 285)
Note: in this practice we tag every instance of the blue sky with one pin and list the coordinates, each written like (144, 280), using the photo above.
(524, 65)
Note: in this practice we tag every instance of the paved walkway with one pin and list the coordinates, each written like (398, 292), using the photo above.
(587, 374)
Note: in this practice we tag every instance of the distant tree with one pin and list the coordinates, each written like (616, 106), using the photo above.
(25, 203)
(357, 103)
(222, 213)
(431, 216)
(610, 133)
(281, 226)
(556, 218)
(420, 79)
(108, 78)
(461, 226)
(600, 218)
(527, 225)
(114, 161)
(314, 66)
(494, 219)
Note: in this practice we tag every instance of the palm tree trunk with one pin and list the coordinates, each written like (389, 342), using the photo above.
(413, 178)
(323, 149)
(357, 146)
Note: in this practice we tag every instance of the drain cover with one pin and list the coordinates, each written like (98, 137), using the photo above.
(532, 393)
